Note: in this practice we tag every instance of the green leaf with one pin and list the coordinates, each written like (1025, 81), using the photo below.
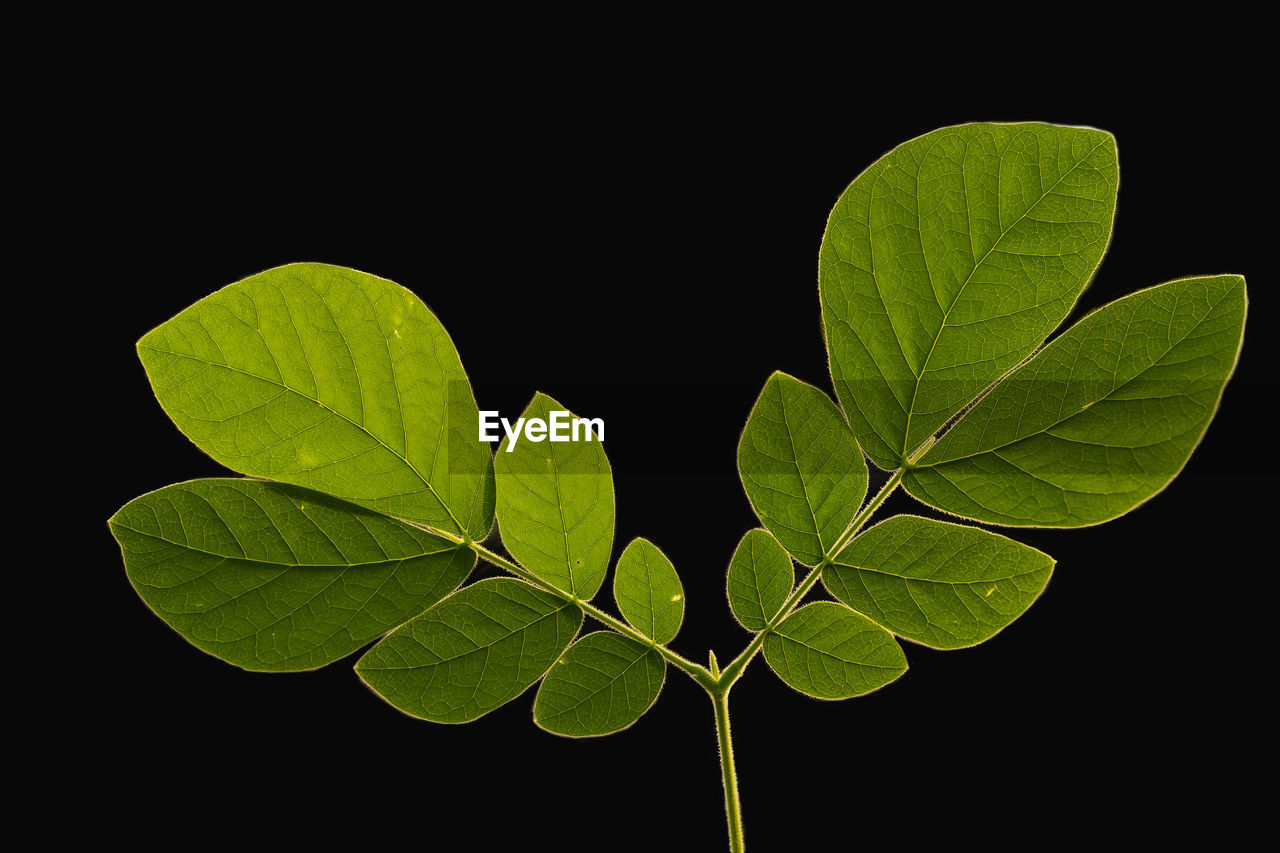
(473, 652)
(937, 583)
(603, 684)
(331, 379)
(801, 467)
(949, 261)
(760, 579)
(828, 651)
(555, 506)
(1099, 420)
(276, 578)
(648, 591)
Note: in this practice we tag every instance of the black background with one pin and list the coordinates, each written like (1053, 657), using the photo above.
(648, 255)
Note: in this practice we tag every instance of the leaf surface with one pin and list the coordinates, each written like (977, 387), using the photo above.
(760, 579)
(1099, 420)
(950, 260)
(473, 652)
(648, 591)
(276, 578)
(801, 467)
(602, 684)
(555, 506)
(940, 584)
(334, 380)
(828, 651)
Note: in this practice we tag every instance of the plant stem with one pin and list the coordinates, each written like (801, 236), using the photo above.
(732, 808)
(861, 518)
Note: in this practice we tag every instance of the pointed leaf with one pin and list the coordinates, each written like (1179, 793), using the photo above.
(648, 591)
(937, 583)
(331, 379)
(276, 578)
(555, 506)
(473, 652)
(1101, 419)
(603, 684)
(801, 467)
(949, 261)
(760, 579)
(827, 651)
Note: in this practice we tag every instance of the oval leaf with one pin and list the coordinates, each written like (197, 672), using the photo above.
(937, 583)
(603, 684)
(473, 652)
(331, 379)
(1101, 419)
(555, 506)
(949, 261)
(276, 578)
(648, 591)
(760, 579)
(801, 467)
(827, 651)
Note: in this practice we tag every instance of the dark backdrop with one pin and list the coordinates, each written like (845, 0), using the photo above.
(650, 258)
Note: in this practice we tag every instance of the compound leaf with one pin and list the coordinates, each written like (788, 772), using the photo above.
(760, 579)
(828, 651)
(648, 591)
(272, 577)
(940, 584)
(334, 380)
(555, 506)
(1099, 420)
(950, 260)
(801, 467)
(473, 652)
(602, 684)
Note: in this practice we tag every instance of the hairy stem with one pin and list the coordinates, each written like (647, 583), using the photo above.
(732, 808)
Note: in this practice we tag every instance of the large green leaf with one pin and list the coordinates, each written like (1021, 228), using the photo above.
(603, 684)
(275, 578)
(826, 650)
(555, 506)
(473, 652)
(759, 581)
(949, 261)
(1099, 420)
(801, 467)
(648, 591)
(937, 583)
(334, 380)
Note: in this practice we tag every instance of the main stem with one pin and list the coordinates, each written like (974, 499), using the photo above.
(732, 808)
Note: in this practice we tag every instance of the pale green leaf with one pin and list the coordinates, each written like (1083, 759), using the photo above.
(828, 651)
(331, 379)
(950, 260)
(760, 579)
(555, 506)
(937, 583)
(1099, 420)
(274, 578)
(648, 591)
(473, 652)
(801, 467)
(602, 684)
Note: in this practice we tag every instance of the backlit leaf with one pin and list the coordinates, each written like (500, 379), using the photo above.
(602, 684)
(940, 584)
(648, 591)
(950, 260)
(274, 577)
(801, 467)
(830, 652)
(473, 652)
(331, 379)
(760, 579)
(1098, 421)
